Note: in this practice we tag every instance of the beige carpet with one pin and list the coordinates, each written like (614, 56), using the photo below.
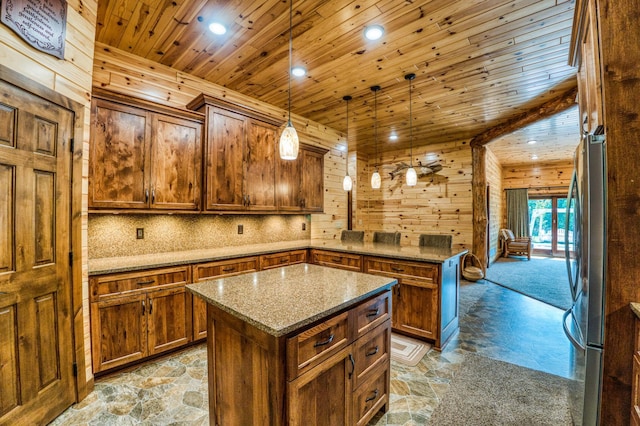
(406, 350)
(496, 393)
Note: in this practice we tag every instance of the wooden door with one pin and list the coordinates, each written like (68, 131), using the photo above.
(175, 163)
(118, 331)
(225, 160)
(312, 180)
(260, 166)
(169, 319)
(36, 347)
(415, 309)
(289, 184)
(118, 158)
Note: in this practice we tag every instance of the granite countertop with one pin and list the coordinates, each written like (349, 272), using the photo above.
(264, 299)
(157, 260)
(635, 307)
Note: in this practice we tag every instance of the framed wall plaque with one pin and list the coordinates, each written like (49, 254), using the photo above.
(41, 23)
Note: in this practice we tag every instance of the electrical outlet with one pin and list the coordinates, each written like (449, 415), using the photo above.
(304, 226)
(139, 233)
(240, 229)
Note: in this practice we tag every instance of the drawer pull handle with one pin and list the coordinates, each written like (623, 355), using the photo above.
(371, 398)
(353, 365)
(396, 269)
(373, 351)
(284, 260)
(373, 312)
(146, 282)
(324, 342)
(336, 259)
(229, 269)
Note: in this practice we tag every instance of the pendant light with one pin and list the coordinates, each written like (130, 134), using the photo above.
(375, 177)
(347, 183)
(412, 177)
(289, 138)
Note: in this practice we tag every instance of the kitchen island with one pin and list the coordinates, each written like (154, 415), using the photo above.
(300, 344)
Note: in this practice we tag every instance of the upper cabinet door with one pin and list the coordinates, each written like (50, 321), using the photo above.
(312, 180)
(289, 184)
(119, 164)
(260, 185)
(176, 163)
(226, 135)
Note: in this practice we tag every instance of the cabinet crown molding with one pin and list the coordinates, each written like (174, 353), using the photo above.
(203, 99)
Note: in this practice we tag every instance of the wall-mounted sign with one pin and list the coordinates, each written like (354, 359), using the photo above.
(41, 23)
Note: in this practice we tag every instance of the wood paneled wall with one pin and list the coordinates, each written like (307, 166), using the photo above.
(72, 78)
(440, 203)
(124, 73)
(548, 178)
(496, 203)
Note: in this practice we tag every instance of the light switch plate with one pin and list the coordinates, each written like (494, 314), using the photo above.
(139, 233)
(240, 229)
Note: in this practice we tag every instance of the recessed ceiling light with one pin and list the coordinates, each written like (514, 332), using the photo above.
(373, 32)
(217, 28)
(534, 157)
(393, 137)
(531, 142)
(298, 71)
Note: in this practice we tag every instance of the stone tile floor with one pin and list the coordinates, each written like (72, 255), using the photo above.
(495, 322)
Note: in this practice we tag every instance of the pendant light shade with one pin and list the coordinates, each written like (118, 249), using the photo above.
(289, 142)
(411, 176)
(376, 181)
(347, 183)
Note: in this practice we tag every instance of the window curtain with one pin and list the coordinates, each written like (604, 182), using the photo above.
(518, 211)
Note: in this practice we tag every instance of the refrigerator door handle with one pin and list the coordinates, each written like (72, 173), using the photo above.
(575, 342)
(567, 252)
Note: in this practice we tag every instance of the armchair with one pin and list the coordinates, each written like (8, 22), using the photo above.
(513, 245)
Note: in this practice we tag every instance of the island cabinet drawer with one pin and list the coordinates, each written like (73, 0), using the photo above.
(348, 261)
(405, 270)
(224, 268)
(372, 313)
(268, 261)
(308, 348)
(119, 284)
(371, 351)
(371, 395)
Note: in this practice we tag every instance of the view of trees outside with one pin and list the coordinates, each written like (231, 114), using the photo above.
(541, 223)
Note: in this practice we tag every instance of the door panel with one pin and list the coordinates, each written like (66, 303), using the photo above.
(36, 353)
(176, 163)
(169, 319)
(260, 173)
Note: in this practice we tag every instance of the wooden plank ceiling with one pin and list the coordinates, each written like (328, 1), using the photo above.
(477, 62)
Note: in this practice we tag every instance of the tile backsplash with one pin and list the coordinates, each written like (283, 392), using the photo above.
(112, 235)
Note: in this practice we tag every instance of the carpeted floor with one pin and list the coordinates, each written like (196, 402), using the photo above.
(544, 279)
(490, 392)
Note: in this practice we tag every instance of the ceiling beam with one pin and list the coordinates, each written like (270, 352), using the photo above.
(547, 109)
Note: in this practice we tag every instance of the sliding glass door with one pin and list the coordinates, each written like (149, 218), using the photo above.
(547, 225)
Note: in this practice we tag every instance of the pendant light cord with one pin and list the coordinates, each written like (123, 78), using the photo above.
(375, 120)
(347, 98)
(409, 78)
(290, 53)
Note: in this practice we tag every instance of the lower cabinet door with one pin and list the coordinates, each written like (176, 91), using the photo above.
(169, 319)
(119, 331)
(415, 309)
(322, 396)
(199, 318)
(372, 395)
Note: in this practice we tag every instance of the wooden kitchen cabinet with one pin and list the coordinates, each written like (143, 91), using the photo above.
(138, 314)
(416, 308)
(214, 270)
(143, 159)
(275, 260)
(335, 259)
(300, 183)
(239, 157)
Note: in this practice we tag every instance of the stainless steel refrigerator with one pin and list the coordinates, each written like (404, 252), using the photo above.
(585, 231)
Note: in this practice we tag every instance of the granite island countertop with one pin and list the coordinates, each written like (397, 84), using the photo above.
(282, 300)
(157, 260)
